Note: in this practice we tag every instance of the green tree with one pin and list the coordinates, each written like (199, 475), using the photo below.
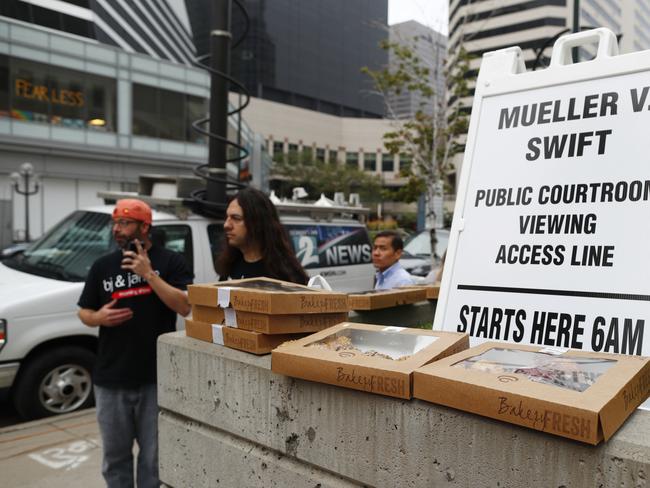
(293, 169)
(428, 141)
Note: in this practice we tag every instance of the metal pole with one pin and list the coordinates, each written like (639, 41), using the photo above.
(26, 175)
(576, 27)
(239, 137)
(220, 39)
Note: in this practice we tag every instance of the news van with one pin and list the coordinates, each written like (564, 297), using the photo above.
(46, 353)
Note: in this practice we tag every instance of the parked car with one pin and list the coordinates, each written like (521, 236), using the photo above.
(46, 353)
(13, 250)
(417, 258)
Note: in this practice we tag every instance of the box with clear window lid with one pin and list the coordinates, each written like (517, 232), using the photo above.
(372, 358)
(266, 323)
(267, 296)
(584, 396)
(377, 299)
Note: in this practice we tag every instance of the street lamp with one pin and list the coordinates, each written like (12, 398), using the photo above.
(26, 173)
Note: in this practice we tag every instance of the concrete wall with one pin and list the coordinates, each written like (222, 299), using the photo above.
(227, 420)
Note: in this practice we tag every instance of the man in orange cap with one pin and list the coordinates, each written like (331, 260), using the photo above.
(133, 296)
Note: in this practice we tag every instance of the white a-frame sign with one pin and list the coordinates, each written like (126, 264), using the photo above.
(550, 243)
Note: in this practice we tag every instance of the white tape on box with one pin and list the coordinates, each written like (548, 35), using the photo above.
(217, 334)
(223, 296)
(231, 317)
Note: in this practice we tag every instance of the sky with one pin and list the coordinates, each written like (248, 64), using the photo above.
(432, 13)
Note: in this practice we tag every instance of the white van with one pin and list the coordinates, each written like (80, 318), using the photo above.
(46, 353)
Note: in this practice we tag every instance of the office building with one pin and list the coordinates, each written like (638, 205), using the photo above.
(306, 53)
(635, 25)
(534, 25)
(430, 47)
(92, 117)
(156, 28)
(92, 113)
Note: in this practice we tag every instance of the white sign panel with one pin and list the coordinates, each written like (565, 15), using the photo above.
(550, 243)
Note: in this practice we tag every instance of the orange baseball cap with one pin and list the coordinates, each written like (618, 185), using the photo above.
(130, 208)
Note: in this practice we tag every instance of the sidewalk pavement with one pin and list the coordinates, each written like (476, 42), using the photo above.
(57, 452)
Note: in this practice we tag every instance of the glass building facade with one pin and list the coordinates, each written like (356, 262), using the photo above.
(38, 92)
(166, 114)
(306, 53)
(91, 117)
(152, 28)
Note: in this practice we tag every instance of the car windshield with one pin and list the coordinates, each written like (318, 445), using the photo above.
(68, 250)
(420, 244)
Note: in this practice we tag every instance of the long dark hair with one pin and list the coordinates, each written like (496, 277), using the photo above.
(264, 228)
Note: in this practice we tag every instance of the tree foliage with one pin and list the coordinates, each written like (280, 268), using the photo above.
(294, 169)
(428, 140)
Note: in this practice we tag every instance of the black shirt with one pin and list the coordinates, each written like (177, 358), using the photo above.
(126, 355)
(243, 269)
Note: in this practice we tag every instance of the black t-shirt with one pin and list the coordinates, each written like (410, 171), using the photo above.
(243, 269)
(126, 355)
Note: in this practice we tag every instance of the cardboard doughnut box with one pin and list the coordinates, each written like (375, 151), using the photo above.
(584, 396)
(265, 323)
(267, 296)
(372, 358)
(377, 299)
(243, 340)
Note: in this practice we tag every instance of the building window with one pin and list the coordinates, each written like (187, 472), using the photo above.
(293, 149)
(4, 86)
(387, 163)
(332, 156)
(43, 93)
(166, 114)
(197, 108)
(320, 154)
(145, 110)
(307, 154)
(352, 159)
(370, 162)
(171, 126)
(278, 148)
(405, 163)
(67, 98)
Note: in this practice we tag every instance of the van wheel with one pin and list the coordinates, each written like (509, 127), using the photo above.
(55, 382)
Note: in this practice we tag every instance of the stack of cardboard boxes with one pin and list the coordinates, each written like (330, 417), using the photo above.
(258, 314)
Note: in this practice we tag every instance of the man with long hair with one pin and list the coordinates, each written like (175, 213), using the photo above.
(256, 243)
